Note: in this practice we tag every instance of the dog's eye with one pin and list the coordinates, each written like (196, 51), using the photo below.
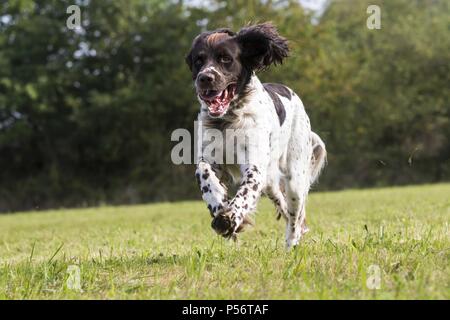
(198, 61)
(225, 59)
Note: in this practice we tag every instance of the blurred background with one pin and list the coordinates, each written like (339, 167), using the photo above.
(86, 114)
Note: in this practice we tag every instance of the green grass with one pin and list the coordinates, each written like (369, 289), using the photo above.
(169, 251)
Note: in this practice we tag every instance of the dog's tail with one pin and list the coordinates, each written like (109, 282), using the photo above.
(318, 157)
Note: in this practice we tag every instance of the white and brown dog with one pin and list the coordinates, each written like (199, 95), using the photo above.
(289, 155)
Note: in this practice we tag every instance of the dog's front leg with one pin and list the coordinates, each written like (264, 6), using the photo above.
(235, 215)
(214, 193)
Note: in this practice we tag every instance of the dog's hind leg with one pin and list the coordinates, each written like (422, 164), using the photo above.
(296, 222)
(298, 179)
(275, 194)
(279, 201)
(317, 163)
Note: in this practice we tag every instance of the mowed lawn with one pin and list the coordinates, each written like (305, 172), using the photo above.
(393, 239)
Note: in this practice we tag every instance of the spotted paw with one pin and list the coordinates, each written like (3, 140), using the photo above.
(223, 224)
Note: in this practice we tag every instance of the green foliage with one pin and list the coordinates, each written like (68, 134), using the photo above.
(86, 116)
(387, 92)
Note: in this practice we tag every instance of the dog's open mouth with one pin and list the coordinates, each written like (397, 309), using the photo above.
(218, 101)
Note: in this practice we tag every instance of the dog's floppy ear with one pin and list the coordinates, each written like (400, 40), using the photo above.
(262, 46)
(188, 59)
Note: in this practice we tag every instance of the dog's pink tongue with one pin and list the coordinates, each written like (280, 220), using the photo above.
(215, 105)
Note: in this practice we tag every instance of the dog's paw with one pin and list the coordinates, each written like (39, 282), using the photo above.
(223, 224)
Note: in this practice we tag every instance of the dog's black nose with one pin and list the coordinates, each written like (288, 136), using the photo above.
(205, 78)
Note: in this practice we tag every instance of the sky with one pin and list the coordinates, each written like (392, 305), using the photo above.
(314, 5)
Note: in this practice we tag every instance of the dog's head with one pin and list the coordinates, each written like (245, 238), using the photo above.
(222, 62)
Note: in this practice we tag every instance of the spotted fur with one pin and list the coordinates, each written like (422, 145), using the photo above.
(289, 155)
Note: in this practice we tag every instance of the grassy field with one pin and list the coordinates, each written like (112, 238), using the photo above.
(396, 239)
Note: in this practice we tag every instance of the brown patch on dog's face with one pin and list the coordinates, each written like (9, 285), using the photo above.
(217, 37)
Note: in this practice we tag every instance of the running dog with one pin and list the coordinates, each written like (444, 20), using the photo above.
(289, 157)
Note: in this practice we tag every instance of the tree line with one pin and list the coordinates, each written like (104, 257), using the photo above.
(86, 115)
